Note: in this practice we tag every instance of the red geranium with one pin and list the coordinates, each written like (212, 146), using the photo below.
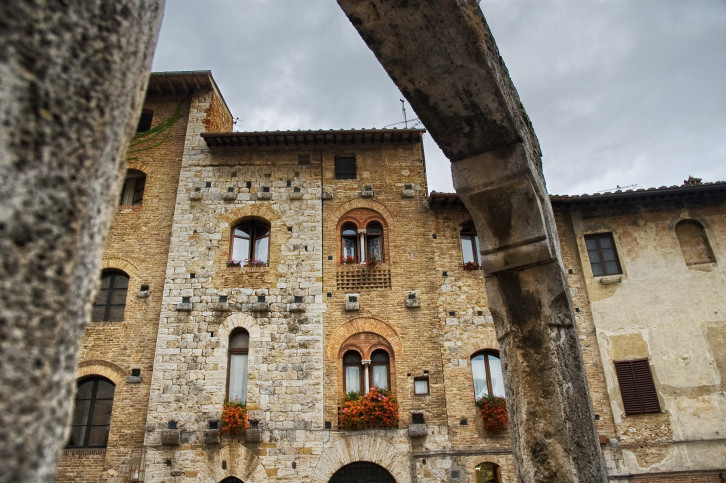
(493, 411)
(234, 418)
(377, 409)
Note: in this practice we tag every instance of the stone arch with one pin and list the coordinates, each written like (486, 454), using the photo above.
(694, 241)
(252, 210)
(363, 324)
(241, 463)
(477, 344)
(96, 367)
(122, 264)
(362, 447)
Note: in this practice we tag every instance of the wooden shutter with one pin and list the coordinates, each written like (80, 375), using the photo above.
(637, 387)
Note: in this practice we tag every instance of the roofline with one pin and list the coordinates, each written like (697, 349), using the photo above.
(310, 137)
(715, 189)
(198, 79)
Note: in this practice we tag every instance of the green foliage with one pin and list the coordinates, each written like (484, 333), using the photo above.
(156, 136)
(353, 396)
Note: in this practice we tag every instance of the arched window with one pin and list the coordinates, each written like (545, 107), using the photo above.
(488, 473)
(486, 370)
(92, 413)
(251, 241)
(380, 369)
(352, 372)
(470, 245)
(374, 241)
(693, 241)
(145, 120)
(110, 301)
(133, 192)
(239, 343)
(349, 241)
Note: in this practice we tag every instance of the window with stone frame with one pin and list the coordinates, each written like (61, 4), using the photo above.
(110, 302)
(237, 363)
(603, 255)
(637, 387)
(92, 413)
(250, 241)
(694, 243)
(486, 372)
(470, 245)
(133, 190)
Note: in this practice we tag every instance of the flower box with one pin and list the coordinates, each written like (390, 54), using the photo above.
(234, 418)
(493, 411)
(377, 409)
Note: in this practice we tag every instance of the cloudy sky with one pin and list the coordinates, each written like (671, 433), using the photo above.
(620, 92)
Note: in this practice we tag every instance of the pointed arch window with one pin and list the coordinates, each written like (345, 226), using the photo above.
(251, 241)
(110, 302)
(694, 243)
(239, 343)
(92, 413)
(486, 371)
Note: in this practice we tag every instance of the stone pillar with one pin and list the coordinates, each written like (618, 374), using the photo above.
(72, 78)
(366, 375)
(442, 56)
(362, 245)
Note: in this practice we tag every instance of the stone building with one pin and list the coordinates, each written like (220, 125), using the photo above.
(287, 269)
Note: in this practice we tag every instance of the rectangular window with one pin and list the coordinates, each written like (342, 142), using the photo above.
(421, 386)
(602, 254)
(345, 167)
(637, 387)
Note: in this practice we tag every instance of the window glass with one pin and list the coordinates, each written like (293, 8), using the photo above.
(478, 371)
(251, 241)
(379, 368)
(352, 379)
(92, 409)
(110, 302)
(469, 245)
(486, 371)
(421, 385)
(495, 371)
(132, 193)
(238, 349)
(602, 254)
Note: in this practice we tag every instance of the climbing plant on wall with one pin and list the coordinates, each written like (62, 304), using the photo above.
(156, 136)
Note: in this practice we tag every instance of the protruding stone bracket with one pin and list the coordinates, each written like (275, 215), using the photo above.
(501, 190)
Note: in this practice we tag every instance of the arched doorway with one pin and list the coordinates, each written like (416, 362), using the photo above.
(362, 472)
(488, 473)
(231, 479)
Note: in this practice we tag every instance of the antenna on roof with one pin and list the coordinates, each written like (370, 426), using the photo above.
(403, 109)
(234, 124)
(618, 188)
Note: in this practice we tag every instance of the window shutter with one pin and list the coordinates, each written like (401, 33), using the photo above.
(637, 387)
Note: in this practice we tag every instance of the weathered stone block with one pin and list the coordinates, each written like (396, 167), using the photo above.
(170, 437)
(417, 430)
(326, 195)
(260, 307)
(253, 435)
(296, 307)
(408, 193)
(142, 294)
(220, 307)
(412, 303)
(366, 193)
(211, 436)
(229, 195)
(195, 196)
(184, 307)
(296, 195)
(264, 195)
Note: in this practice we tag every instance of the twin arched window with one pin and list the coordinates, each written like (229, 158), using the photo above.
(362, 244)
(110, 302)
(486, 371)
(251, 241)
(92, 413)
(239, 344)
(360, 376)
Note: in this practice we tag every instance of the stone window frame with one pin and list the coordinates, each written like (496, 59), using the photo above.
(357, 342)
(468, 234)
(704, 242)
(132, 193)
(251, 252)
(597, 237)
(93, 406)
(637, 387)
(362, 217)
(422, 379)
(106, 302)
(237, 351)
(487, 370)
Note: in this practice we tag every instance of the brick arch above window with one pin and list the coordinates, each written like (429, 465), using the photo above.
(139, 166)
(364, 324)
(123, 264)
(239, 213)
(97, 367)
(351, 205)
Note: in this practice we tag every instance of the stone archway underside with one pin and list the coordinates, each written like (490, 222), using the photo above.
(362, 447)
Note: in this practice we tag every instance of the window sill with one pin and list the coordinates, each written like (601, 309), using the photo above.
(703, 267)
(129, 208)
(249, 269)
(610, 279)
(83, 451)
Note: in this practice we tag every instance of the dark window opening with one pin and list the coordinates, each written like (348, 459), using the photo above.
(345, 167)
(603, 256)
(92, 413)
(110, 301)
(362, 472)
(251, 241)
(145, 121)
(470, 246)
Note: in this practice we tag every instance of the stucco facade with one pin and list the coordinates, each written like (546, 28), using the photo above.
(304, 309)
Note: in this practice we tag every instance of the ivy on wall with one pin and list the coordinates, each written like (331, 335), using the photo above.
(154, 137)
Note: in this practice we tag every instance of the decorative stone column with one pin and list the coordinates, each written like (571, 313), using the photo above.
(366, 378)
(362, 244)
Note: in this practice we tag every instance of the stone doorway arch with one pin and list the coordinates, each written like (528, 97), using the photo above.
(231, 479)
(362, 472)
